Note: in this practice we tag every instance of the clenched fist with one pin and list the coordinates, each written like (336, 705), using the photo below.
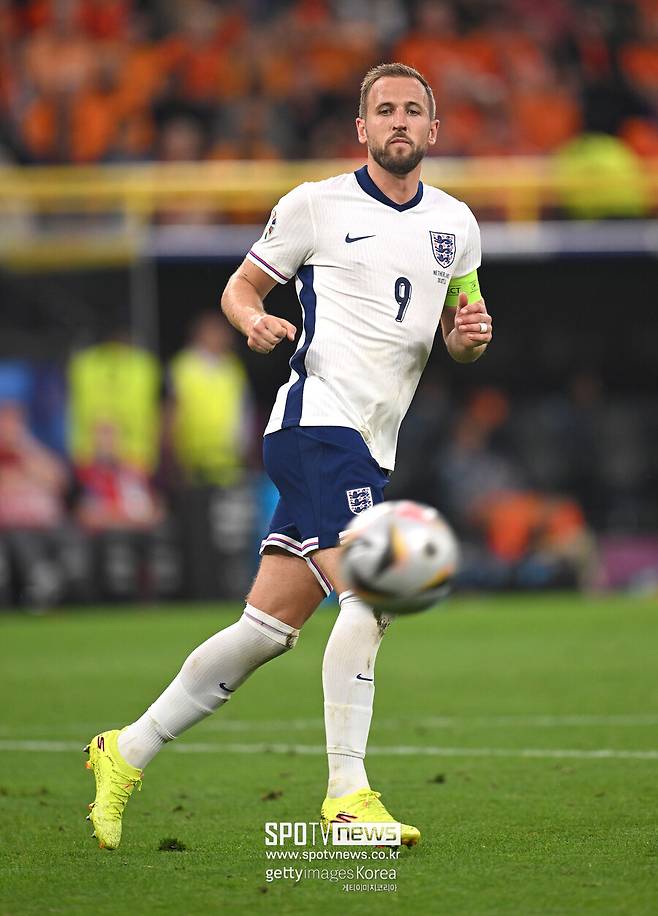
(267, 331)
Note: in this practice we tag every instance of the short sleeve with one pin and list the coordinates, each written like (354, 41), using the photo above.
(471, 255)
(288, 238)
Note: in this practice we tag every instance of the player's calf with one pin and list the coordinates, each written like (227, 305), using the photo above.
(207, 680)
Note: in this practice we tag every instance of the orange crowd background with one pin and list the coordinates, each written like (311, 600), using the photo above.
(120, 80)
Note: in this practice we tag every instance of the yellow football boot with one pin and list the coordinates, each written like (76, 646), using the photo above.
(115, 781)
(364, 805)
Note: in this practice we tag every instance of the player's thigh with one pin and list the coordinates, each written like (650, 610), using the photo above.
(285, 588)
(329, 562)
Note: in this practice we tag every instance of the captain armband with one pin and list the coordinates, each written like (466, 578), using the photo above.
(468, 284)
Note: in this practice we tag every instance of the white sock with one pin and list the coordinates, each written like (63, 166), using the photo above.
(208, 678)
(348, 672)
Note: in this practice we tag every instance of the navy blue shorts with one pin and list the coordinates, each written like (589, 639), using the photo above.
(325, 476)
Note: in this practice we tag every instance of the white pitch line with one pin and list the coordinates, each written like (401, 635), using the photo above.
(537, 721)
(220, 725)
(53, 747)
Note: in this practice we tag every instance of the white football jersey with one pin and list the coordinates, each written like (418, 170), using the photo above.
(372, 277)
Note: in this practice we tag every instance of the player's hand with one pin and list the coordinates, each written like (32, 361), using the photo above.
(472, 323)
(267, 331)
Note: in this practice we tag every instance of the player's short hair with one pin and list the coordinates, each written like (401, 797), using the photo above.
(394, 69)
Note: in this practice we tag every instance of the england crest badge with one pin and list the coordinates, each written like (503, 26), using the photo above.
(359, 499)
(443, 247)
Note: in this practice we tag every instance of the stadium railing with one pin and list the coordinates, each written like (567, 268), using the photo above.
(520, 188)
(74, 216)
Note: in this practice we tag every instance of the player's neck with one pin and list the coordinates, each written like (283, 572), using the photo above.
(400, 188)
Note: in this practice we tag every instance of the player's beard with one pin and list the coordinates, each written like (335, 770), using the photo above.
(395, 163)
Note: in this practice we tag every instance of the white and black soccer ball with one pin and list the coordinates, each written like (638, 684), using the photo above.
(400, 556)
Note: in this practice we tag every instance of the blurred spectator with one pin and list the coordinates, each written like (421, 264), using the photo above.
(15, 380)
(41, 389)
(135, 556)
(602, 178)
(118, 383)
(433, 44)
(205, 64)
(208, 433)
(247, 131)
(531, 539)
(543, 538)
(113, 494)
(183, 138)
(209, 414)
(43, 559)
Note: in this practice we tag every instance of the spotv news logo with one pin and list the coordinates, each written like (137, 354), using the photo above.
(366, 834)
(300, 833)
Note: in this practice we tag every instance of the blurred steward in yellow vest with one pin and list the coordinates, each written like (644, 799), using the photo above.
(210, 414)
(118, 384)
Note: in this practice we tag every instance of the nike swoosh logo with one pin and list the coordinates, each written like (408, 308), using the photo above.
(360, 677)
(358, 238)
(224, 687)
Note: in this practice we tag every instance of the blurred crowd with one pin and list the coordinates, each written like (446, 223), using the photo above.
(549, 491)
(121, 480)
(128, 80)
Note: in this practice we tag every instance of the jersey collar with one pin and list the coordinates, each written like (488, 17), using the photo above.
(368, 185)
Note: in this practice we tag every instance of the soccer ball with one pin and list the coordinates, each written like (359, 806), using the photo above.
(400, 556)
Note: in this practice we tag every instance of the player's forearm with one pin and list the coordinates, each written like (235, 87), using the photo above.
(460, 352)
(241, 303)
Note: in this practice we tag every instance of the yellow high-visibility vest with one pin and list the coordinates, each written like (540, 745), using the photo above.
(119, 384)
(209, 417)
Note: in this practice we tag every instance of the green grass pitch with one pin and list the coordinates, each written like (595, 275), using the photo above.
(519, 733)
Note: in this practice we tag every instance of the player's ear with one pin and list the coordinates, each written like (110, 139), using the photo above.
(361, 130)
(434, 131)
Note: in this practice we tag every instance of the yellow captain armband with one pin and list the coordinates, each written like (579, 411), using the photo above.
(468, 284)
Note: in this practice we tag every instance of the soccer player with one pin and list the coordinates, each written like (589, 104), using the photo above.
(380, 261)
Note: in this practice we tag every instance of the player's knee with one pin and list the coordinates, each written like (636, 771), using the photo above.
(287, 610)
(272, 628)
